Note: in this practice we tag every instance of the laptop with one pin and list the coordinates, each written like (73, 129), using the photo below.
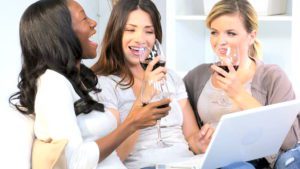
(244, 136)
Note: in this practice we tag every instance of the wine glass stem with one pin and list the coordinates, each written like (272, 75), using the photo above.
(158, 132)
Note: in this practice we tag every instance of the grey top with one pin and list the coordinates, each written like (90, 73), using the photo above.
(213, 103)
(270, 85)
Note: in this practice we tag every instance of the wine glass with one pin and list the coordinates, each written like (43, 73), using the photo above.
(156, 51)
(154, 90)
(232, 58)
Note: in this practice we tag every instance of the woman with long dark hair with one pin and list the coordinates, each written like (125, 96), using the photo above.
(54, 87)
(135, 24)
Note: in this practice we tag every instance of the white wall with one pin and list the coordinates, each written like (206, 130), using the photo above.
(16, 131)
(10, 13)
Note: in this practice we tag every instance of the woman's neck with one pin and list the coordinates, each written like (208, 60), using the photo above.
(138, 75)
(137, 72)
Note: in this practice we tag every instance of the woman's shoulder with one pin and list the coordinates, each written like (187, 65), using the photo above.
(51, 74)
(51, 81)
(53, 78)
(110, 79)
(200, 73)
(269, 72)
(269, 76)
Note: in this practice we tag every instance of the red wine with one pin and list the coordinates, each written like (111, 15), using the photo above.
(224, 67)
(147, 61)
(163, 106)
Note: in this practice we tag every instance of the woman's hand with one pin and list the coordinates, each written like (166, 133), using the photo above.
(199, 141)
(156, 75)
(150, 86)
(234, 87)
(228, 81)
(146, 116)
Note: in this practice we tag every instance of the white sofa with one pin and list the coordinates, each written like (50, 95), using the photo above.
(16, 140)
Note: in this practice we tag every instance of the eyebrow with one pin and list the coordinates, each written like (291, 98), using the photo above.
(81, 11)
(148, 26)
(230, 30)
(213, 29)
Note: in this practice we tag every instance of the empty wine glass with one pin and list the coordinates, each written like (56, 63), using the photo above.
(156, 90)
(232, 58)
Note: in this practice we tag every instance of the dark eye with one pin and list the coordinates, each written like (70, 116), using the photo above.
(84, 18)
(149, 31)
(231, 33)
(129, 30)
(213, 33)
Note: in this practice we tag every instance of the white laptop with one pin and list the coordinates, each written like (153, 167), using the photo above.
(244, 136)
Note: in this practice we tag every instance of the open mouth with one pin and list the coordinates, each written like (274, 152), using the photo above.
(137, 50)
(93, 40)
(224, 51)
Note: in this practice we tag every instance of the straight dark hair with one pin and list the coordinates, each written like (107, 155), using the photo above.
(47, 41)
(112, 57)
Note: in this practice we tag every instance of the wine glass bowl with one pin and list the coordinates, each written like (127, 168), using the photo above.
(146, 58)
(231, 57)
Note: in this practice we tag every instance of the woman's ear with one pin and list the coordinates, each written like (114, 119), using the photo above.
(114, 2)
(252, 37)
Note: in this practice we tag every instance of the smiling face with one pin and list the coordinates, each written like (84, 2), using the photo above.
(84, 28)
(138, 33)
(229, 31)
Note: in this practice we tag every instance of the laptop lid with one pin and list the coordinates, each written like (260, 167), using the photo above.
(250, 134)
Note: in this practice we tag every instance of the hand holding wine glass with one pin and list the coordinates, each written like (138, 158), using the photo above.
(230, 59)
(146, 58)
(154, 86)
(226, 69)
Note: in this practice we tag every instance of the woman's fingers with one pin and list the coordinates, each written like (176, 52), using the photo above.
(205, 129)
(230, 67)
(219, 70)
(151, 64)
(161, 106)
(206, 132)
(157, 74)
(209, 134)
(157, 110)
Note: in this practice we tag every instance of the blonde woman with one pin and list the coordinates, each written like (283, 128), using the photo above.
(233, 27)
(134, 24)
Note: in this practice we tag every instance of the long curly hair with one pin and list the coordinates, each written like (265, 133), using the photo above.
(47, 42)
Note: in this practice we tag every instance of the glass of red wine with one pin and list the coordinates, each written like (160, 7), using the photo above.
(154, 90)
(232, 58)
